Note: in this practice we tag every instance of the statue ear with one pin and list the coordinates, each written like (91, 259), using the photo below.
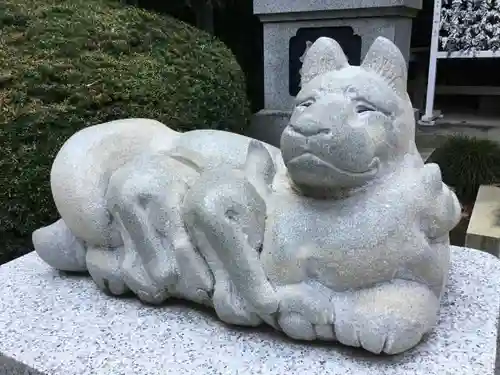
(385, 59)
(259, 166)
(324, 55)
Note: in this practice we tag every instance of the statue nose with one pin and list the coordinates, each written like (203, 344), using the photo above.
(310, 128)
(332, 109)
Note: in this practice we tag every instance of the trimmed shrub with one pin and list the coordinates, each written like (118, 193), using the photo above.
(68, 64)
(467, 163)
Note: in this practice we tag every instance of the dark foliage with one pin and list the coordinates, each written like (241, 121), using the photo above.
(467, 163)
(68, 64)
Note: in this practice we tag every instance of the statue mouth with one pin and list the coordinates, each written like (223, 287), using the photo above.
(314, 161)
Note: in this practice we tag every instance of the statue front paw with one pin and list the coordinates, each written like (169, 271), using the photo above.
(306, 311)
(230, 307)
(390, 318)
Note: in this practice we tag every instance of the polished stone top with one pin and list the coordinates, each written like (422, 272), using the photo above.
(59, 324)
(290, 6)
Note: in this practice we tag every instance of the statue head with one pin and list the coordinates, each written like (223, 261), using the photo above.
(349, 122)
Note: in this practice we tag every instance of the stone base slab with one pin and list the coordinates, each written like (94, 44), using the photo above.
(53, 323)
(483, 232)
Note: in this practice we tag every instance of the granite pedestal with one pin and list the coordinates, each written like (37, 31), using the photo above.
(58, 324)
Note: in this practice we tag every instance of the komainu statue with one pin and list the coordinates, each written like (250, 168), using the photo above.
(341, 234)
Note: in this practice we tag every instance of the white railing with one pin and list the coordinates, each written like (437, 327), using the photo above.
(428, 117)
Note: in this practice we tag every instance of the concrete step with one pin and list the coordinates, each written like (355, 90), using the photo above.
(483, 232)
(457, 124)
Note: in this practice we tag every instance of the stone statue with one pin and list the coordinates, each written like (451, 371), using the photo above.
(341, 234)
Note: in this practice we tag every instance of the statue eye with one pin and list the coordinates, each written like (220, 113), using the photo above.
(306, 103)
(362, 108)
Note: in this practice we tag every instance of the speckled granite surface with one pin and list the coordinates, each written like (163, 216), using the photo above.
(62, 325)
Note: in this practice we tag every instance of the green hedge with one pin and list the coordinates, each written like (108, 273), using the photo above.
(68, 64)
(467, 163)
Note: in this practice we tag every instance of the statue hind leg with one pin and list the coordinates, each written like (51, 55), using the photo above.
(82, 168)
(145, 198)
(79, 180)
(225, 217)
